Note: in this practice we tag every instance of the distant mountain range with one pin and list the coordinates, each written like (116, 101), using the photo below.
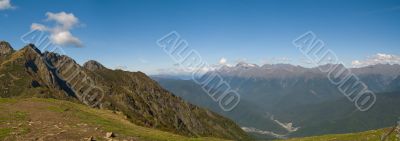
(283, 100)
(277, 100)
(30, 73)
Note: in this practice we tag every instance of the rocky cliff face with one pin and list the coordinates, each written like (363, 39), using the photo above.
(5, 48)
(28, 72)
(93, 66)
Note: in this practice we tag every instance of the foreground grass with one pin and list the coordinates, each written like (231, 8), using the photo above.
(76, 113)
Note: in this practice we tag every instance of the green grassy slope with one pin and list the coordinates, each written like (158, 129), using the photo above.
(50, 119)
(371, 135)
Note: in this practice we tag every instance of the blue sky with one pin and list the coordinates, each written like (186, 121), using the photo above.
(124, 32)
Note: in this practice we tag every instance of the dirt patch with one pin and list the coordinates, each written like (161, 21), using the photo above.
(41, 121)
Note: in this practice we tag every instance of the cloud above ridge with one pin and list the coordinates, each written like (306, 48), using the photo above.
(379, 58)
(60, 33)
(6, 4)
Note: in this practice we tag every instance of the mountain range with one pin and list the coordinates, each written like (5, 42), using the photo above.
(30, 73)
(283, 100)
(276, 100)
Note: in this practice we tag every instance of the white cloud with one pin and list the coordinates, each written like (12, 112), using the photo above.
(278, 60)
(222, 61)
(186, 71)
(60, 34)
(122, 67)
(284, 60)
(36, 26)
(66, 20)
(177, 69)
(65, 38)
(5, 4)
(379, 58)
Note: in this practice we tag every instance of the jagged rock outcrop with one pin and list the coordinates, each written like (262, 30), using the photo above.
(93, 65)
(28, 72)
(25, 73)
(5, 48)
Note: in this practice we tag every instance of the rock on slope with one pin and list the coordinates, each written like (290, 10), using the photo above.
(28, 72)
